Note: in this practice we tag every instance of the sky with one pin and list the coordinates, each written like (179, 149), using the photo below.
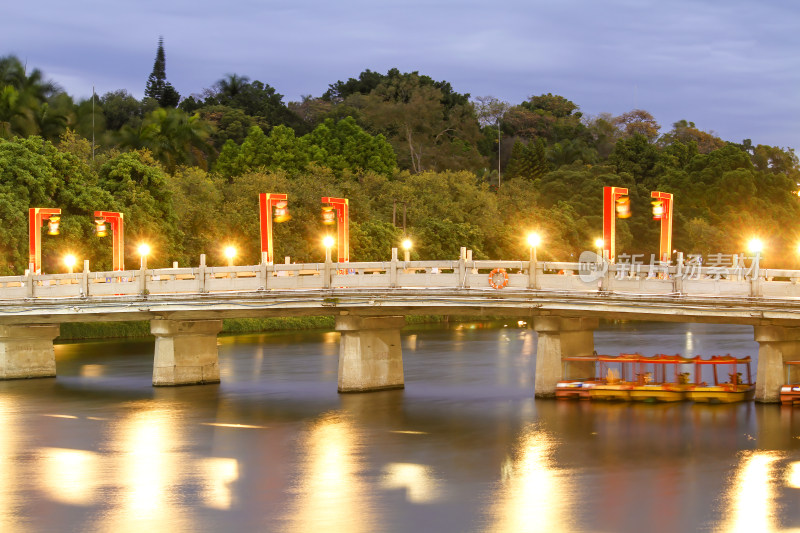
(730, 66)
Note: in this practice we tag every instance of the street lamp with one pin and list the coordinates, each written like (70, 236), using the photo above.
(598, 243)
(407, 249)
(755, 246)
(230, 253)
(144, 251)
(69, 261)
(327, 242)
(534, 240)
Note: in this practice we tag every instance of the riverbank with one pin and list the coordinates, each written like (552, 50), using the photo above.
(130, 330)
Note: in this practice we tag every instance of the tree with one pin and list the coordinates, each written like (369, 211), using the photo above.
(158, 88)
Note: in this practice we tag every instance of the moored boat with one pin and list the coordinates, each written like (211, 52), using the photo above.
(790, 392)
(659, 379)
(616, 377)
(733, 390)
(577, 388)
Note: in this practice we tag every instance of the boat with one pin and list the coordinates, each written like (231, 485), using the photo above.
(733, 390)
(659, 379)
(790, 392)
(577, 388)
(616, 377)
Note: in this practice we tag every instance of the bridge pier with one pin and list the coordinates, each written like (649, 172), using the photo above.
(370, 355)
(776, 345)
(26, 351)
(562, 337)
(186, 351)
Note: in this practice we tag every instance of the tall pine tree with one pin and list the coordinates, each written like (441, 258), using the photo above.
(157, 86)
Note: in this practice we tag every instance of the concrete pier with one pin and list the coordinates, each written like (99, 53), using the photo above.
(26, 351)
(186, 352)
(370, 355)
(562, 337)
(776, 344)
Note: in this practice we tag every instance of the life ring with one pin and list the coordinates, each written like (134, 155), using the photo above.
(493, 278)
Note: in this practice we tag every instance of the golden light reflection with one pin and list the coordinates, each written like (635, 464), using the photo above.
(533, 494)
(147, 448)
(415, 478)
(70, 476)
(751, 498)
(793, 475)
(223, 425)
(220, 472)
(9, 493)
(92, 371)
(332, 495)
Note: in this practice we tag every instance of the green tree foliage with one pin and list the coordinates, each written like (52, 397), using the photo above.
(157, 87)
(528, 161)
(344, 146)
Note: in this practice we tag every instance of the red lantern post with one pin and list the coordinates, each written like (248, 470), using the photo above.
(610, 196)
(116, 223)
(665, 216)
(342, 207)
(36, 217)
(268, 201)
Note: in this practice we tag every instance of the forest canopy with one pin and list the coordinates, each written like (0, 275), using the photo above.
(414, 157)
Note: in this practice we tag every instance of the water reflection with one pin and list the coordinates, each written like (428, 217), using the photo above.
(533, 495)
(149, 467)
(416, 479)
(220, 472)
(751, 497)
(332, 494)
(70, 476)
(9, 495)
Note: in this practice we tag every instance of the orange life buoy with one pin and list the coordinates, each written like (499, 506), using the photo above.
(498, 278)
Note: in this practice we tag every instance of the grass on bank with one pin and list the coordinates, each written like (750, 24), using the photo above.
(118, 330)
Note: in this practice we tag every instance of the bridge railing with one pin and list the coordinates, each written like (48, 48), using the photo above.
(448, 274)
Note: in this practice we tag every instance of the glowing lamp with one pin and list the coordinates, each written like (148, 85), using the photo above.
(144, 250)
(407, 244)
(534, 240)
(658, 210)
(623, 207)
(598, 243)
(52, 225)
(327, 241)
(100, 227)
(281, 211)
(230, 252)
(328, 215)
(755, 245)
(69, 261)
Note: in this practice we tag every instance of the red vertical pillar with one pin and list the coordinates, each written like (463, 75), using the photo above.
(342, 206)
(36, 216)
(266, 202)
(116, 221)
(665, 245)
(610, 195)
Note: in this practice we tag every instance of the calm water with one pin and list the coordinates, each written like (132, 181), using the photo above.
(463, 448)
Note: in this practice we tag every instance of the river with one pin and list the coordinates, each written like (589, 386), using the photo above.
(464, 447)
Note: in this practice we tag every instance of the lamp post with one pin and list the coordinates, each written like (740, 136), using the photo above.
(598, 243)
(69, 261)
(327, 241)
(230, 254)
(534, 240)
(407, 249)
(144, 251)
(756, 246)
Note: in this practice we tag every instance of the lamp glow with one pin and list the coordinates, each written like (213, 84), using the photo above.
(230, 252)
(598, 243)
(755, 245)
(407, 244)
(69, 261)
(327, 241)
(144, 250)
(534, 240)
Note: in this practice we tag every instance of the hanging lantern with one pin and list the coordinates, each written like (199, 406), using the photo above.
(52, 225)
(100, 227)
(623, 207)
(281, 212)
(658, 210)
(328, 215)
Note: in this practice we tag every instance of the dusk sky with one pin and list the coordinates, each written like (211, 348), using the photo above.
(731, 67)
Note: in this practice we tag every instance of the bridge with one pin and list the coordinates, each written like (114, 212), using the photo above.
(369, 300)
